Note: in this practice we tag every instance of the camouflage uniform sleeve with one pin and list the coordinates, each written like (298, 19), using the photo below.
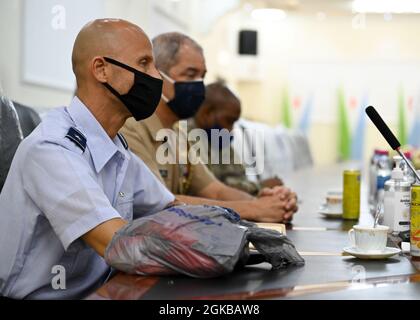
(201, 177)
(234, 176)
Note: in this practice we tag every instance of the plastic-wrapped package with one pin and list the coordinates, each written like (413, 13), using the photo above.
(198, 241)
(10, 136)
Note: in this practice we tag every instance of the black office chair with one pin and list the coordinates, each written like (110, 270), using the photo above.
(28, 118)
(16, 122)
(10, 136)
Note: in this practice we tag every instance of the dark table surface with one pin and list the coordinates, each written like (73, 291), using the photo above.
(396, 291)
(327, 273)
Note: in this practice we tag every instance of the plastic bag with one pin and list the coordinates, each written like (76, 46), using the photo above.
(10, 136)
(198, 241)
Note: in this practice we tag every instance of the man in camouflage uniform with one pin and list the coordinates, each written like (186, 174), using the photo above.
(220, 110)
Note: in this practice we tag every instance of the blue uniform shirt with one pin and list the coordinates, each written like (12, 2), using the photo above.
(66, 178)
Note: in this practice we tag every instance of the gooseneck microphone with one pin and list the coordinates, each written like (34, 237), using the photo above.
(389, 136)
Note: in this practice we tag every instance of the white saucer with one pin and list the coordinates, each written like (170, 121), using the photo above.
(387, 253)
(327, 214)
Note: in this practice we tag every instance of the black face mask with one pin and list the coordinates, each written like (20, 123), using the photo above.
(143, 97)
(189, 96)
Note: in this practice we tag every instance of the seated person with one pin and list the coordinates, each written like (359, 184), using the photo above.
(220, 110)
(181, 62)
(73, 182)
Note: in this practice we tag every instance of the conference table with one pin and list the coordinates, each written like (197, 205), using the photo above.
(328, 273)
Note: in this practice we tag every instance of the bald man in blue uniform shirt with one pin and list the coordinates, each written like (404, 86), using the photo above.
(73, 182)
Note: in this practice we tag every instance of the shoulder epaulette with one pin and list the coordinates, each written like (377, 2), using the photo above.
(77, 137)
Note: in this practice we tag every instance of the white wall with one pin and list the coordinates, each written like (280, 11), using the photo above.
(11, 37)
(302, 53)
(308, 56)
(153, 16)
(10, 62)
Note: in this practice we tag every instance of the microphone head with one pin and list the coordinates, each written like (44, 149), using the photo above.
(383, 128)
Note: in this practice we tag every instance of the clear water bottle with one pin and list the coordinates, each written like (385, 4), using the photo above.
(397, 200)
(373, 176)
(382, 176)
(408, 174)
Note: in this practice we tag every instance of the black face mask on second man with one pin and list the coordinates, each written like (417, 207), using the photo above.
(189, 95)
(143, 97)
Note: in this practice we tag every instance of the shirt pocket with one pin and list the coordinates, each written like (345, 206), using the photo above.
(125, 207)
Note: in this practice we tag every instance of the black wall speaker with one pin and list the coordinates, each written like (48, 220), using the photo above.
(248, 42)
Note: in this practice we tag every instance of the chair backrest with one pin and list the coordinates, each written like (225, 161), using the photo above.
(278, 155)
(28, 118)
(10, 136)
(285, 150)
(247, 134)
(301, 150)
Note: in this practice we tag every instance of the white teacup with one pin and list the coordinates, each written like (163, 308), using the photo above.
(369, 239)
(334, 202)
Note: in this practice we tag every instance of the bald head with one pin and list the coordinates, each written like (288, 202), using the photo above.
(103, 37)
(221, 106)
(106, 55)
(219, 96)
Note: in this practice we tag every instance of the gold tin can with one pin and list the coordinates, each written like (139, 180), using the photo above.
(351, 194)
(415, 221)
